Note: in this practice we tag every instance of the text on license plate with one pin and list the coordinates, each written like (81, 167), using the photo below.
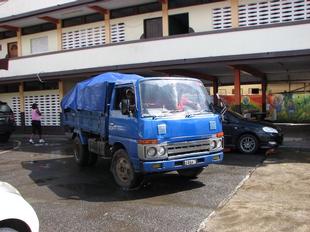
(190, 162)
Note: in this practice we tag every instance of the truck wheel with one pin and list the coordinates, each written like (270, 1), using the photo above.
(123, 171)
(248, 144)
(81, 154)
(190, 173)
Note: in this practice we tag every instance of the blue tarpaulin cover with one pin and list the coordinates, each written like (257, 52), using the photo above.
(91, 94)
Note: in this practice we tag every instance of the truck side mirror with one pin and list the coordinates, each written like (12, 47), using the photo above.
(125, 106)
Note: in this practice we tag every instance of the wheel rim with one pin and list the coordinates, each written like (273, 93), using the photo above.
(123, 170)
(248, 144)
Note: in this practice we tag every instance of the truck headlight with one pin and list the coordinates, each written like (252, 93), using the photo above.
(269, 129)
(161, 151)
(151, 151)
(216, 144)
(213, 144)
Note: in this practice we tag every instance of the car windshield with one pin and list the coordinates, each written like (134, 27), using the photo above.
(167, 97)
(4, 108)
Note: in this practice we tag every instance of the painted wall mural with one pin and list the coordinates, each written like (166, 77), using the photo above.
(282, 107)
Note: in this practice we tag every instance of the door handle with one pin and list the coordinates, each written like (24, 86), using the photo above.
(112, 124)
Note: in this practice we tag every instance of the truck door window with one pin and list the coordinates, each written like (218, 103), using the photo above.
(124, 93)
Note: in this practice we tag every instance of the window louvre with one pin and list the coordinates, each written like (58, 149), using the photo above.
(275, 11)
(221, 18)
(80, 38)
(118, 32)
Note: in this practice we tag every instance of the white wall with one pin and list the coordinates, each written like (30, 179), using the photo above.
(52, 41)
(264, 40)
(200, 16)
(134, 25)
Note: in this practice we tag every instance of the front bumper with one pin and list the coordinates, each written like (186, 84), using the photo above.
(271, 140)
(181, 163)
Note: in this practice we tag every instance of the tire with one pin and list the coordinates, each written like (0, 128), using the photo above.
(123, 171)
(7, 229)
(248, 144)
(190, 173)
(81, 154)
(5, 137)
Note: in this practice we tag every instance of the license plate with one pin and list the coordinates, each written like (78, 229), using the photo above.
(217, 157)
(190, 162)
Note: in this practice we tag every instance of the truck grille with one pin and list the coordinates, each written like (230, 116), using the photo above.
(180, 149)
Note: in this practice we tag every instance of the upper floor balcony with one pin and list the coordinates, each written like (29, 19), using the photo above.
(121, 35)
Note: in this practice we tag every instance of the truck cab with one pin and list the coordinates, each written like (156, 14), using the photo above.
(151, 125)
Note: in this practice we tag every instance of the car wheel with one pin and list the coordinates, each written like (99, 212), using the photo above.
(190, 173)
(80, 151)
(248, 144)
(123, 171)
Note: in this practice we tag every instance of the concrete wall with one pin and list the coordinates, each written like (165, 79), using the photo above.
(263, 40)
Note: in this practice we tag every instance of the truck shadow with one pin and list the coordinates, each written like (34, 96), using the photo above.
(96, 184)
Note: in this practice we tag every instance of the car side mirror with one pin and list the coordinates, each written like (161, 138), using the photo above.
(125, 106)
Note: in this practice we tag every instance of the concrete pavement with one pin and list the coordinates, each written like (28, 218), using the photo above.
(276, 198)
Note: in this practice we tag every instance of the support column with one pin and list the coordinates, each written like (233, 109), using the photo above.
(22, 103)
(19, 42)
(237, 84)
(215, 91)
(234, 4)
(59, 35)
(107, 26)
(61, 89)
(264, 95)
(164, 5)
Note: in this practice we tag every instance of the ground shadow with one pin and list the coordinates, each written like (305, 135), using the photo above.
(96, 184)
(244, 160)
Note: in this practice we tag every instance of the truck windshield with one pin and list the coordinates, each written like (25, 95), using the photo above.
(167, 97)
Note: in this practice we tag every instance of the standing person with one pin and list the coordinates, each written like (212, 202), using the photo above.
(36, 123)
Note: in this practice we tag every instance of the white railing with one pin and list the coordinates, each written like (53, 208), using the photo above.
(261, 13)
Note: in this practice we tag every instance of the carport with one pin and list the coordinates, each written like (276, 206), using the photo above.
(263, 69)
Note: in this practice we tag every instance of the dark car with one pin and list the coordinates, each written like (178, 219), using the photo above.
(249, 135)
(7, 122)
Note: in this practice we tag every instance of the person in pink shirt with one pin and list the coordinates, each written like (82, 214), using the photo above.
(36, 123)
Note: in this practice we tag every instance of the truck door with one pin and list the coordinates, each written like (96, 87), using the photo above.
(123, 128)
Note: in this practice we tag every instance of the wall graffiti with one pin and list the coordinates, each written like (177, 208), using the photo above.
(282, 107)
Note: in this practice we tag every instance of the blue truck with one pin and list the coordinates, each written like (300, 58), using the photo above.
(143, 125)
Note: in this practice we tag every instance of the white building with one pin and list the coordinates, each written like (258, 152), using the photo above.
(51, 46)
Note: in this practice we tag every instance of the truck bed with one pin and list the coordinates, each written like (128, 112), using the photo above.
(86, 121)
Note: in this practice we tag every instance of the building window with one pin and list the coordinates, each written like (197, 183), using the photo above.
(12, 50)
(178, 24)
(9, 88)
(153, 28)
(82, 20)
(36, 85)
(254, 91)
(38, 28)
(39, 45)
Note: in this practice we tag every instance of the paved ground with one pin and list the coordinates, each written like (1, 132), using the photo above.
(67, 198)
(275, 198)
